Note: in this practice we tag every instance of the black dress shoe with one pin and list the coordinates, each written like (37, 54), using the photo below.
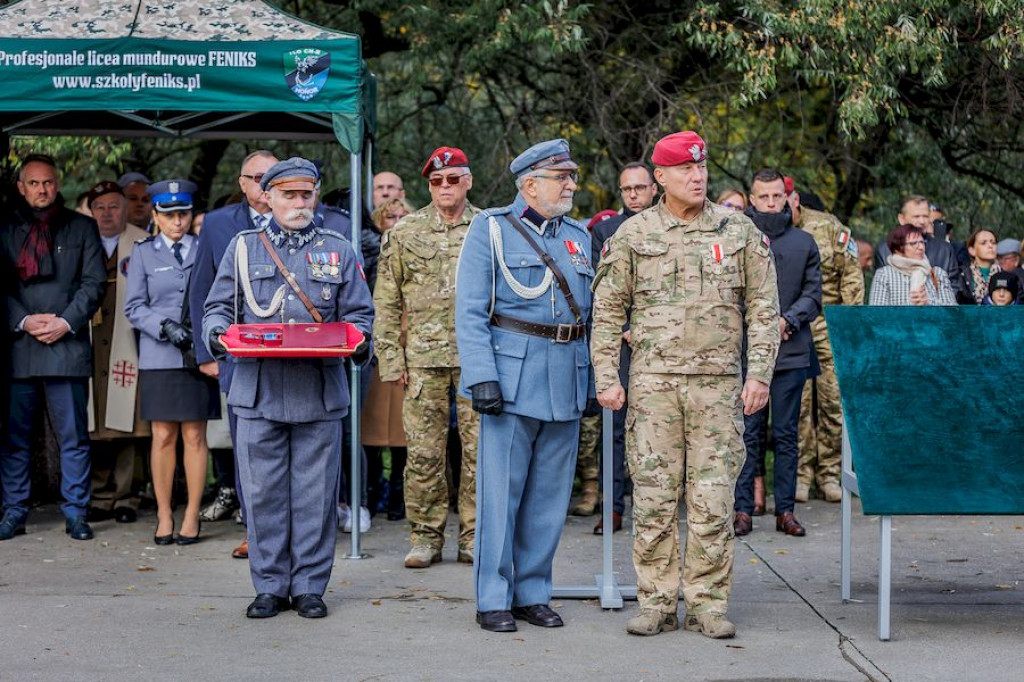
(538, 614)
(309, 606)
(496, 621)
(125, 515)
(164, 540)
(267, 606)
(11, 526)
(93, 514)
(190, 539)
(78, 528)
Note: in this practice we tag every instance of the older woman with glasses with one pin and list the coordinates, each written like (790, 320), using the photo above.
(908, 278)
(732, 198)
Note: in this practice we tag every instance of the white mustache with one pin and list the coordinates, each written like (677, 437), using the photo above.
(299, 214)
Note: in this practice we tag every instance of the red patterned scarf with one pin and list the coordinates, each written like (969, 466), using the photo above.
(36, 257)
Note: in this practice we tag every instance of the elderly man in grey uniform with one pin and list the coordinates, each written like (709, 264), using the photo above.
(289, 410)
(522, 301)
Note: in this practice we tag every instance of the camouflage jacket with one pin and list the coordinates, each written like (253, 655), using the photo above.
(842, 282)
(416, 276)
(691, 286)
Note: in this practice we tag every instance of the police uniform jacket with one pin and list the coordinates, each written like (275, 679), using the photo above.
(290, 390)
(156, 290)
(539, 377)
(72, 293)
(219, 227)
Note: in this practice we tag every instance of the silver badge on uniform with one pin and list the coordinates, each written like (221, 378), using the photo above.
(325, 291)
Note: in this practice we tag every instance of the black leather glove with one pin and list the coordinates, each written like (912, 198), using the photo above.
(592, 409)
(217, 349)
(362, 353)
(487, 397)
(175, 332)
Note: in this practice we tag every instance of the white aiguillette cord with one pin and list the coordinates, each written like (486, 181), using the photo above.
(522, 290)
(242, 268)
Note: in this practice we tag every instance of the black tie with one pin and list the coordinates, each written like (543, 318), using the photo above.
(176, 248)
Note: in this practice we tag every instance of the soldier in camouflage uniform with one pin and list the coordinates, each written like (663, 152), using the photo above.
(416, 278)
(588, 466)
(821, 414)
(694, 274)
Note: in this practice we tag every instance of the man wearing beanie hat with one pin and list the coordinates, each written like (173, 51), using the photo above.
(695, 276)
(522, 304)
(415, 332)
(289, 410)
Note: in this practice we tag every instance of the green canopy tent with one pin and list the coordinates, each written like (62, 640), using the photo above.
(229, 69)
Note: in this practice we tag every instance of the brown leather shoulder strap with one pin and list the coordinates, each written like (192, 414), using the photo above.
(290, 278)
(550, 262)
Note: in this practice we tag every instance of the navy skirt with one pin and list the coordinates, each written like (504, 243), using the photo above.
(178, 395)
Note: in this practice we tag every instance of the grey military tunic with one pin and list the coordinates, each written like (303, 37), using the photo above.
(289, 410)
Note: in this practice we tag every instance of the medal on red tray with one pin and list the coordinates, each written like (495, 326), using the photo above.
(280, 340)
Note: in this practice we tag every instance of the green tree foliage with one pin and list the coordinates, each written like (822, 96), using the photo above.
(859, 100)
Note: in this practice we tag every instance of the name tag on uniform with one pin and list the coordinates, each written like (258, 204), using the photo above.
(163, 269)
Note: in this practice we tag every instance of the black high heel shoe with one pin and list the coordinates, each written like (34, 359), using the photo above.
(164, 539)
(191, 540)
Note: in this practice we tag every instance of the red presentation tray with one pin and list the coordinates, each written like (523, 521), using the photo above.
(329, 339)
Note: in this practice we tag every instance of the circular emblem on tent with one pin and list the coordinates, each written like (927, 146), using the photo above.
(306, 71)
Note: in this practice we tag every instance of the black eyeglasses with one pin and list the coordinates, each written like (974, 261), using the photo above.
(258, 178)
(633, 189)
(452, 179)
(563, 178)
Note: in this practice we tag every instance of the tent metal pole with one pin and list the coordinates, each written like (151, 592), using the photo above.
(355, 479)
(369, 174)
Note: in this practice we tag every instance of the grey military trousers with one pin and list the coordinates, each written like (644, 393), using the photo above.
(290, 475)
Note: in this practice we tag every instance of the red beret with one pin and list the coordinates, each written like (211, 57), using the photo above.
(788, 182)
(601, 216)
(444, 157)
(101, 188)
(678, 148)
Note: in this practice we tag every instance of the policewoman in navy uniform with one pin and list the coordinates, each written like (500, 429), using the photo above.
(526, 366)
(289, 410)
(174, 395)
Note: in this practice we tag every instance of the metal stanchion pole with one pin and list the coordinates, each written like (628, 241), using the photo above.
(355, 481)
(605, 587)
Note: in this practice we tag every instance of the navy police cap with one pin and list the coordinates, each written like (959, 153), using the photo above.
(172, 195)
(552, 154)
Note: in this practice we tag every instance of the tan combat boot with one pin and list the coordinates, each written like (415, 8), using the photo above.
(422, 556)
(588, 500)
(713, 625)
(651, 622)
(831, 492)
(803, 491)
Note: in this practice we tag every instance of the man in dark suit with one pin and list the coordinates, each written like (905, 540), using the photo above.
(54, 276)
(219, 228)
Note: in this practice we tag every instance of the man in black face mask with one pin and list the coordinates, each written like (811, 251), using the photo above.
(798, 267)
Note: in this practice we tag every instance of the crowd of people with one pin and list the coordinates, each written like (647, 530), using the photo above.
(493, 339)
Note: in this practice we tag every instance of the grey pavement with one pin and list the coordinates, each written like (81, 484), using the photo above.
(120, 608)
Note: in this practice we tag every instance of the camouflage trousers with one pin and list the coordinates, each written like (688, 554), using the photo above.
(684, 438)
(425, 415)
(821, 420)
(588, 461)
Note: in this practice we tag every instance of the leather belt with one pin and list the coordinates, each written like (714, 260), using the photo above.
(561, 333)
